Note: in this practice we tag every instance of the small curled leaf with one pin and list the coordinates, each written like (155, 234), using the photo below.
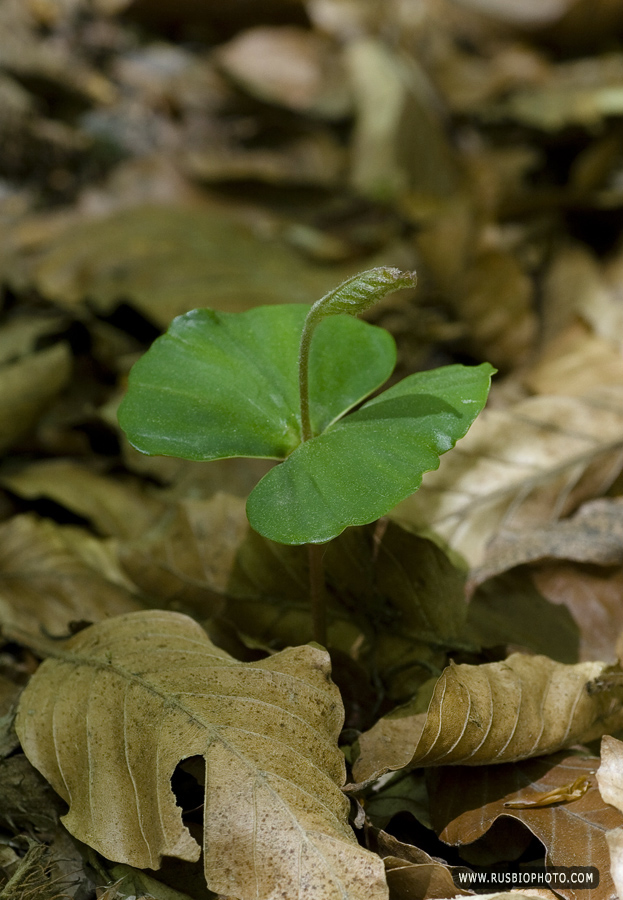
(362, 291)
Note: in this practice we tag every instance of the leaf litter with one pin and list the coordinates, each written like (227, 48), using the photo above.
(160, 157)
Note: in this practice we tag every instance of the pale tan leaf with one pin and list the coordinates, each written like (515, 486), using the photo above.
(575, 361)
(494, 713)
(27, 387)
(521, 468)
(615, 846)
(610, 772)
(52, 575)
(116, 508)
(108, 720)
(289, 66)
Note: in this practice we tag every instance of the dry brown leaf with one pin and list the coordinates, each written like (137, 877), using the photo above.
(116, 509)
(165, 260)
(521, 468)
(400, 150)
(575, 361)
(503, 610)
(52, 575)
(108, 720)
(27, 387)
(493, 713)
(292, 67)
(411, 873)
(593, 535)
(395, 601)
(593, 597)
(574, 834)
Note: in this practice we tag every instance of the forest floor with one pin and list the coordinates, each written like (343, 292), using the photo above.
(161, 156)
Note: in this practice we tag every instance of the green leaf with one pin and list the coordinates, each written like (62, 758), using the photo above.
(362, 291)
(226, 384)
(366, 463)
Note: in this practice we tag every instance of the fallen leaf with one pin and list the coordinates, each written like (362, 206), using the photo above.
(52, 575)
(493, 713)
(27, 387)
(399, 150)
(396, 602)
(615, 846)
(573, 834)
(609, 772)
(503, 610)
(115, 508)
(521, 468)
(291, 67)
(594, 534)
(412, 874)
(167, 260)
(593, 597)
(125, 701)
(405, 792)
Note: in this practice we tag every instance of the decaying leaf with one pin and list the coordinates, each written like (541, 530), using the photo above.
(168, 260)
(412, 874)
(521, 468)
(573, 834)
(125, 701)
(593, 597)
(395, 600)
(115, 508)
(52, 575)
(504, 609)
(27, 387)
(593, 535)
(494, 713)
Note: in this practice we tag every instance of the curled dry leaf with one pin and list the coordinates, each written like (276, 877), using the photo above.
(494, 713)
(412, 874)
(521, 468)
(593, 535)
(574, 834)
(108, 720)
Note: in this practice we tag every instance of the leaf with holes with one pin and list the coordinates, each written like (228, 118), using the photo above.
(109, 719)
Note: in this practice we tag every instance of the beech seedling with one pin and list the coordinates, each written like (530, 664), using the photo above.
(288, 382)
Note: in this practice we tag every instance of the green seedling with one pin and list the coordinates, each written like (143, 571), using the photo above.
(286, 382)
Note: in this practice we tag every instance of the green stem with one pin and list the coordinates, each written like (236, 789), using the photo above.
(306, 337)
(315, 551)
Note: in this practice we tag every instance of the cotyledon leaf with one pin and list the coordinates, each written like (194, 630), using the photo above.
(224, 384)
(126, 700)
(370, 460)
